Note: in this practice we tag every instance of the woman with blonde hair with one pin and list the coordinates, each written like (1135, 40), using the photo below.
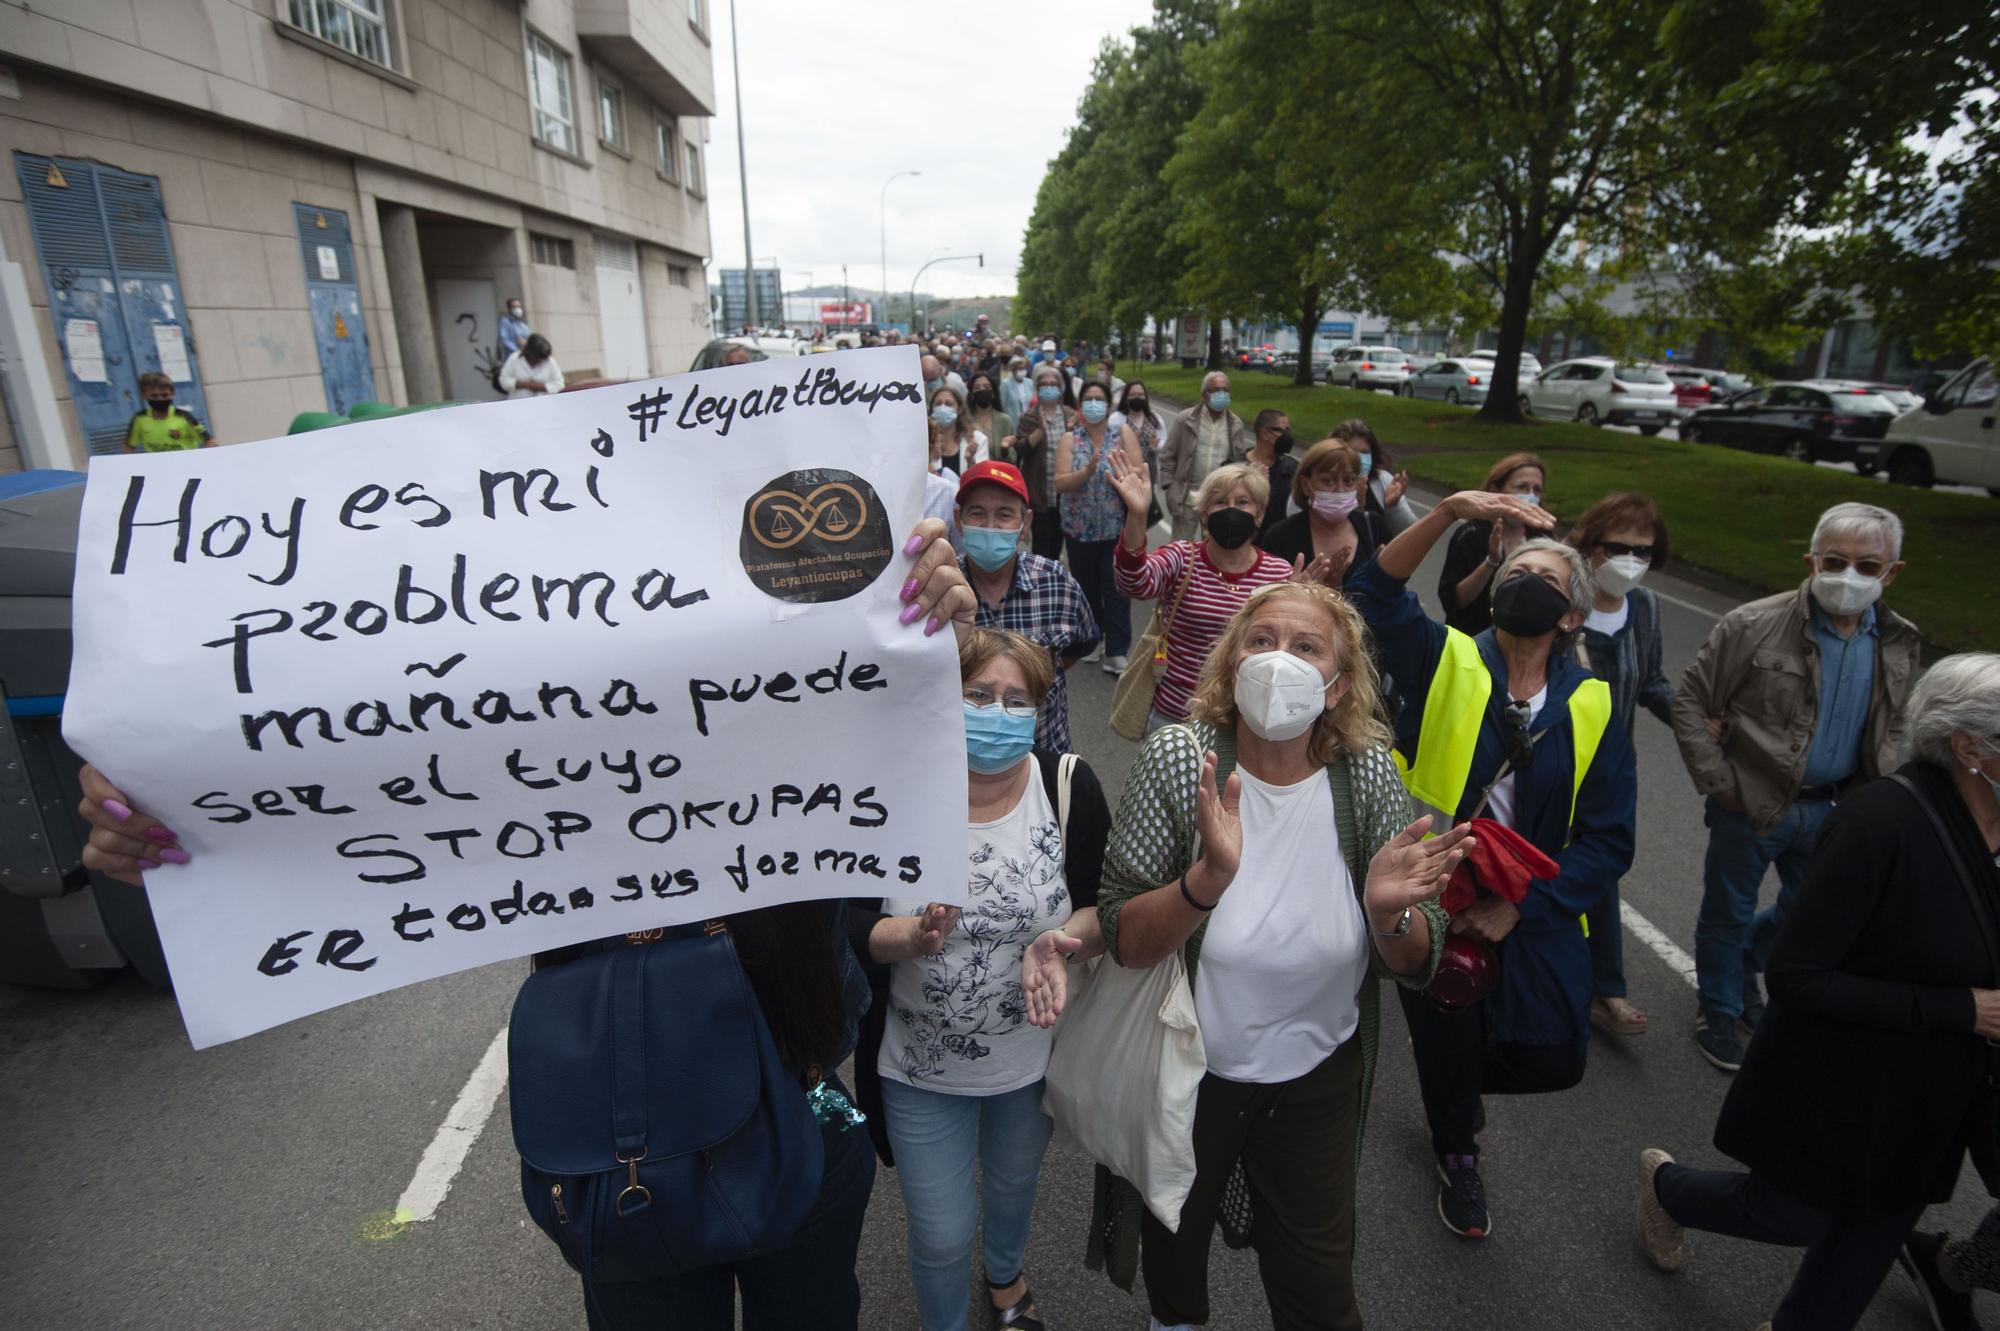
(1198, 585)
(1268, 842)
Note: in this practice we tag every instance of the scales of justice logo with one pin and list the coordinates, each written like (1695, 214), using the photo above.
(818, 534)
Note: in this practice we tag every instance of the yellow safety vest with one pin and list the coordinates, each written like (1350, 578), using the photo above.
(1453, 712)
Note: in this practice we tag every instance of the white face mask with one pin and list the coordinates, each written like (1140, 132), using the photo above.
(1845, 592)
(1279, 696)
(1620, 574)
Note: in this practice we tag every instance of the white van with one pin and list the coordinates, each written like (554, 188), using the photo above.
(1951, 438)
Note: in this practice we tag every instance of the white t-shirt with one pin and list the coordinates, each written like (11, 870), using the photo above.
(1608, 622)
(958, 1022)
(1287, 948)
(1500, 807)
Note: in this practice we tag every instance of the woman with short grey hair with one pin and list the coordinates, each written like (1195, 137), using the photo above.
(1866, 1083)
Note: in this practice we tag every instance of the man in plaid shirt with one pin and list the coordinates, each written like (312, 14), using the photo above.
(1022, 592)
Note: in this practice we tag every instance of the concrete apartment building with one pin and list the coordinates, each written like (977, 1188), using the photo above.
(298, 205)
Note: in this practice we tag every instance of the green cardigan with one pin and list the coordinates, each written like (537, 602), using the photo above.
(1153, 842)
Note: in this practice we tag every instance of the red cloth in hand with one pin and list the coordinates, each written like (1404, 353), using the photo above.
(1501, 861)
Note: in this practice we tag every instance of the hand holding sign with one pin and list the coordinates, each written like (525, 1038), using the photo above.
(502, 678)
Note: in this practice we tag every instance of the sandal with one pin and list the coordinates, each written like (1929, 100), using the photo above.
(1017, 1317)
(1617, 1016)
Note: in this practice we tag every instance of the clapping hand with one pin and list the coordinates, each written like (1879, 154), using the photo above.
(1131, 481)
(1392, 493)
(1319, 570)
(1409, 869)
(1045, 975)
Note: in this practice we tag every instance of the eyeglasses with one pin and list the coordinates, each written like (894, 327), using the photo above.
(1618, 548)
(1014, 707)
(1867, 568)
(1520, 746)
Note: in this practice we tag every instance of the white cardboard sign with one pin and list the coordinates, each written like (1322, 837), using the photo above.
(428, 692)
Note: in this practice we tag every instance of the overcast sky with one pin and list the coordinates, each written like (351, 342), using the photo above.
(839, 97)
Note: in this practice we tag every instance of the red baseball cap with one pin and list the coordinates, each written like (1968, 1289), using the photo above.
(995, 473)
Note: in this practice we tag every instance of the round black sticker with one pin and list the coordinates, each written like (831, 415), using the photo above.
(815, 535)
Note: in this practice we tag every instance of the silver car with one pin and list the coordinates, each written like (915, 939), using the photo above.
(1596, 390)
(1369, 367)
(1451, 380)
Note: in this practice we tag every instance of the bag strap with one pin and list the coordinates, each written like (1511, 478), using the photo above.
(628, 1053)
(1180, 591)
(1065, 772)
(1981, 911)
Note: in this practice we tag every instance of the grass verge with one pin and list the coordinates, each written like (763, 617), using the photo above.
(1742, 515)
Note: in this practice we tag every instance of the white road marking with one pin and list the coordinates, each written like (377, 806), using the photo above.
(446, 1154)
(1668, 951)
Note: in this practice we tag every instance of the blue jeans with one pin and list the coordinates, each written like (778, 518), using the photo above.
(811, 1283)
(1732, 939)
(935, 1137)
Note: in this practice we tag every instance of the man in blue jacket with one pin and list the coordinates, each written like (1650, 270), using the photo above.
(1505, 726)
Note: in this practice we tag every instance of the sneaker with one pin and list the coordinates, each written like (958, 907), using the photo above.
(1659, 1233)
(1115, 665)
(1753, 1005)
(1949, 1309)
(1096, 654)
(1717, 1038)
(1462, 1198)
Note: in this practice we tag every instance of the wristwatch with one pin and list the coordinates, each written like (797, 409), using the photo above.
(1402, 929)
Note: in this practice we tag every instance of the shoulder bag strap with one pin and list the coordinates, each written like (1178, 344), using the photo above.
(1180, 590)
(1065, 772)
(1980, 909)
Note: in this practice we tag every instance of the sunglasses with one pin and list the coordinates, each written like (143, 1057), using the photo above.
(1617, 548)
(1514, 735)
(1867, 568)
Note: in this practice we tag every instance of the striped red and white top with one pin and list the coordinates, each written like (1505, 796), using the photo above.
(1210, 598)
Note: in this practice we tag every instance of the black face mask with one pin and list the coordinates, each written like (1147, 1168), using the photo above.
(1282, 444)
(1527, 607)
(982, 397)
(1136, 405)
(1231, 527)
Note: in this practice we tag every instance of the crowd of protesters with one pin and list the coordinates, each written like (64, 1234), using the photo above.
(1467, 789)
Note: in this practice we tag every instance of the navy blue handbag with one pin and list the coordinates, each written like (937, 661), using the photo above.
(658, 1132)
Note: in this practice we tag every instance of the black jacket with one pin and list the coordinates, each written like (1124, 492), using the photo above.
(1293, 537)
(1083, 866)
(1865, 1083)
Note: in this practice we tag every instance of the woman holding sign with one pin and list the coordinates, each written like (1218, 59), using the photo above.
(1266, 842)
(799, 961)
(956, 1046)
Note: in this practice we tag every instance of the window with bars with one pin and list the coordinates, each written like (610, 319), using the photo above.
(664, 154)
(694, 183)
(358, 27)
(610, 114)
(555, 251)
(549, 87)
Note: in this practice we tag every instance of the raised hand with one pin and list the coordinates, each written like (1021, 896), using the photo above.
(1320, 570)
(1045, 975)
(1498, 508)
(1392, 493)
(1409, 869)
(1131, 480)
(1219, 823)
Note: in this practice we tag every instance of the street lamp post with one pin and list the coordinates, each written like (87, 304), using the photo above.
(883, 210)
(948, 258)
(743, 170)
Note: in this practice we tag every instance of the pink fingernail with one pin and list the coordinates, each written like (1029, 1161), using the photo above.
(910, 589)
(933, 626)
(914, 544)
(909, 615)
(175, 855)
(149, 864)
(115, 809)
(163, 835)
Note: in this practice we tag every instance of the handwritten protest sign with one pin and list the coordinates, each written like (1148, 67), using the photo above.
(428, 692)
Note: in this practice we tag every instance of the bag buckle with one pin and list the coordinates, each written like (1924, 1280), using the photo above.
(632, 1185)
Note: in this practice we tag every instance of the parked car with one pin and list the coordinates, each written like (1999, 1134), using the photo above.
(1815, 420)
(1901, 396)
(1285, 363)
(1597, 390)
(1695, 388)
(1417, 360)
(1951, 438)
(1369, 367)
(1530, 364)
(761, 347)
(1451, 380)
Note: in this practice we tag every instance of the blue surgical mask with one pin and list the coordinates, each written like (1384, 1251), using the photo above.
(1050, 394)
(1367, 464)
(1532, 499)
(995, 740)
(944, 416)
(932, 385)
(990, 547)
(1096, 410)
(1218, 402)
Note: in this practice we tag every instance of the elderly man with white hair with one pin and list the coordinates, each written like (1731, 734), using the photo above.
(1205, 436)
(1792, 700)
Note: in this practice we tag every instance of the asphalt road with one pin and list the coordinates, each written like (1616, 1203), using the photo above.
(249, 1186)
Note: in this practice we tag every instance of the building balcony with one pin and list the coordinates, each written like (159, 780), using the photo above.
(656, 46)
